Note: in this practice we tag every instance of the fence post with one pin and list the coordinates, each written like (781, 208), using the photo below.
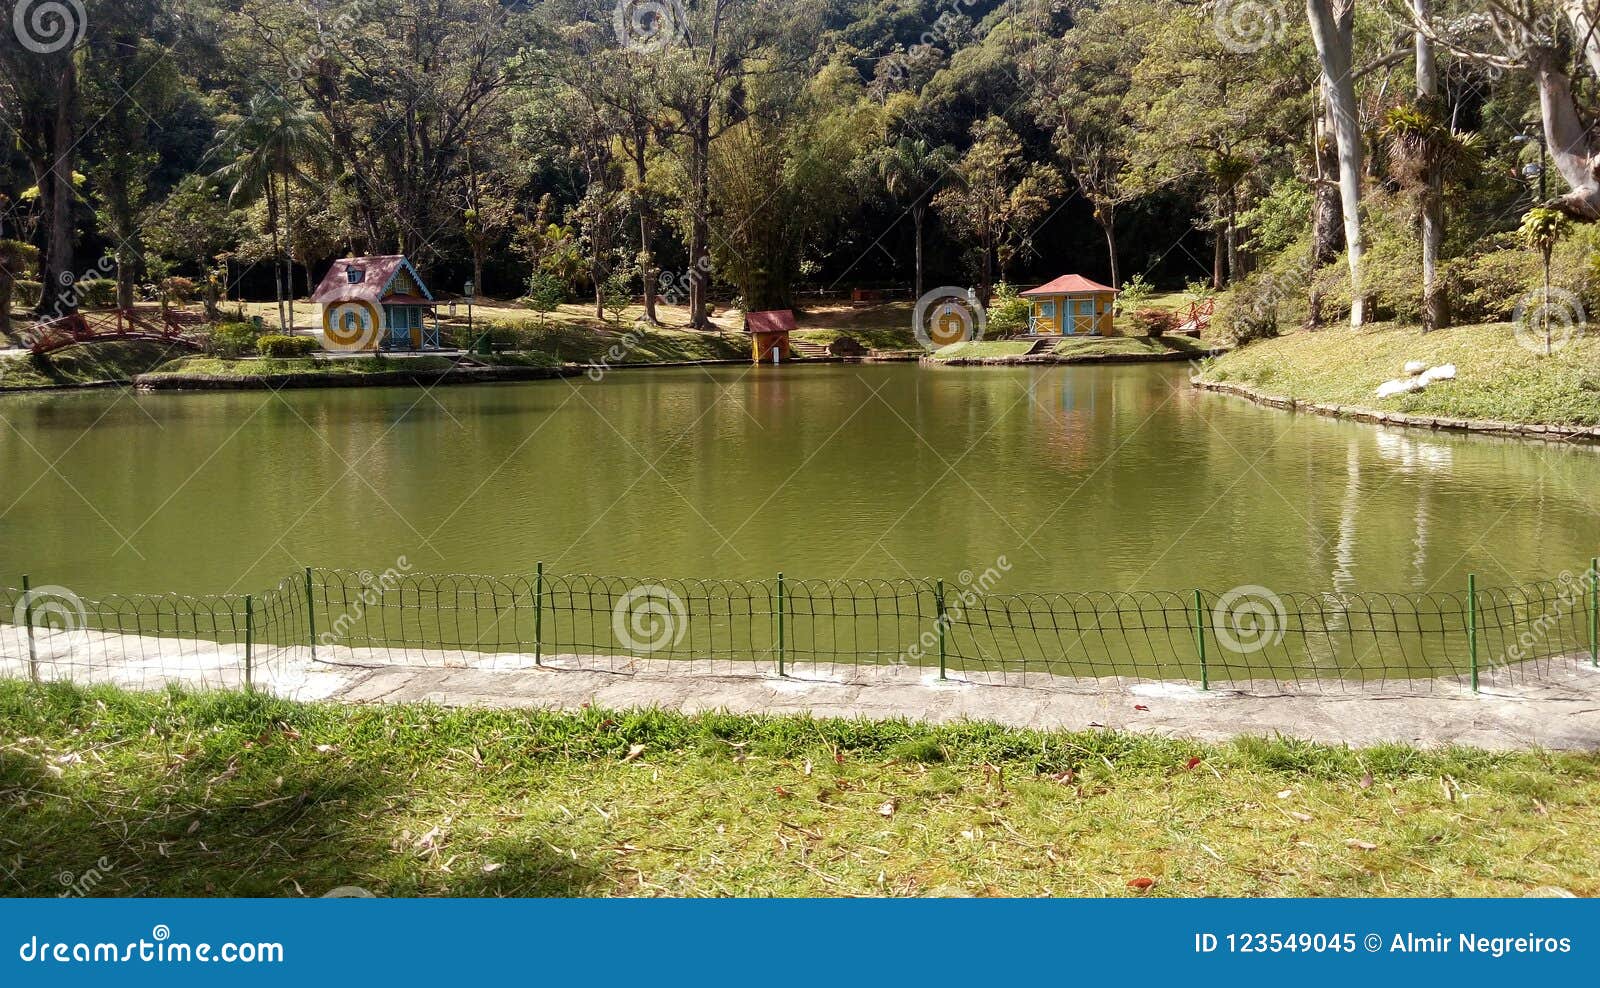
(538, 613)
(311, 616)
(27, 618)
(938, 600)
(1594, 612)
(1200, 638)
(249, 641)
(781, 608)
(1472, 626)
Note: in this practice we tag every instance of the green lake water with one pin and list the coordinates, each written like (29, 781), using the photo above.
(1082, 478)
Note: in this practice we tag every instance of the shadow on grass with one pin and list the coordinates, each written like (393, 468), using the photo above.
(242, 806)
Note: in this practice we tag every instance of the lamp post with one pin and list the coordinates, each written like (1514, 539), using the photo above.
(1539, 170)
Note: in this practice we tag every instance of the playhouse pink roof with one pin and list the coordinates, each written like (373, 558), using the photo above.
(377, 272)
(1070, 284)
(771, 321)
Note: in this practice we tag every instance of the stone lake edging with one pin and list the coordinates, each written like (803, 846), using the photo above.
(451, 375)
(1053, 358)
(1358, 413)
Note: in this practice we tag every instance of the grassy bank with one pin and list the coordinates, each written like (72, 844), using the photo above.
(1497, 378)
(1081, 348)
(118, 360)
(237, 794)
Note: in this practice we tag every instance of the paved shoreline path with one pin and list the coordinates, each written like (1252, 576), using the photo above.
(1561, 711)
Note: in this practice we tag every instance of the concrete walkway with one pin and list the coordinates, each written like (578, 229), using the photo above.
(1556, 717)
(1559, 711)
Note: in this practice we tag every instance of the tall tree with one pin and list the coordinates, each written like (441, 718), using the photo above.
(911, 170)
(275, 145)
(1333, 33)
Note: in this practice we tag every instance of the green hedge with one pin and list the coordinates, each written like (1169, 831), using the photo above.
(287, 346)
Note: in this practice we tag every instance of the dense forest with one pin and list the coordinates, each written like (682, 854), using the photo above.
(1414, 160)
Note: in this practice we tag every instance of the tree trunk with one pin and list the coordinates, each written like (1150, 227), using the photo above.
(1435, 314)
(477, 272)
(700, 230)
(647, 227)
(919, 216)
(1219, 253)
(57, 272)
(1110, 229)
(288, 224)
(7, 286)
(1332, 30)
(277, 250)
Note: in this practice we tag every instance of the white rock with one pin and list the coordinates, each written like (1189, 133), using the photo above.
(1404, 385)
(1415, 367)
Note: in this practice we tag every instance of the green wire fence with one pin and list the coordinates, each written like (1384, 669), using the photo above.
(1248, 638)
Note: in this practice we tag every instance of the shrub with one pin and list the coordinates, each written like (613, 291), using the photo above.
(178, 288)
(26, 293)
(545, 293)
(287, 346)
(1008, 311)
(1135, 293)
(231, 340)
(96, 293)
(1154, 322)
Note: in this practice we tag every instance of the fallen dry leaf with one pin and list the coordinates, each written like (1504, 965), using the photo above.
(1140, 706)
(634, 751)
(1302, 817)
(1366, 781)
(1285, 793)
(1191, 763)
(781, 792)
(1360, 845)
(1142, 884)
(491, 867)
(887, 809)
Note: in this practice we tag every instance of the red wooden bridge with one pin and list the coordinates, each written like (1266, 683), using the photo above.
(118, 324)
(1198, 317)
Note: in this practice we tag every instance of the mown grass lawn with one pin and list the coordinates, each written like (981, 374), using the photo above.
(1497, 378)
(238, 794)
(117, 360)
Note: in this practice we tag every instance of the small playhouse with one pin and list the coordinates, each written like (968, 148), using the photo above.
(1072, 305)
(376, 303)
(769, 334)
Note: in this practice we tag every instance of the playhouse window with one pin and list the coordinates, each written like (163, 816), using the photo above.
(1047, 310)
(356, 275)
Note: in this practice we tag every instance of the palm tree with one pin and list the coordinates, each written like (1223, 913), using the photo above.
(1424, 154)
(275, 145)
(910, 168)
(1543, 228)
